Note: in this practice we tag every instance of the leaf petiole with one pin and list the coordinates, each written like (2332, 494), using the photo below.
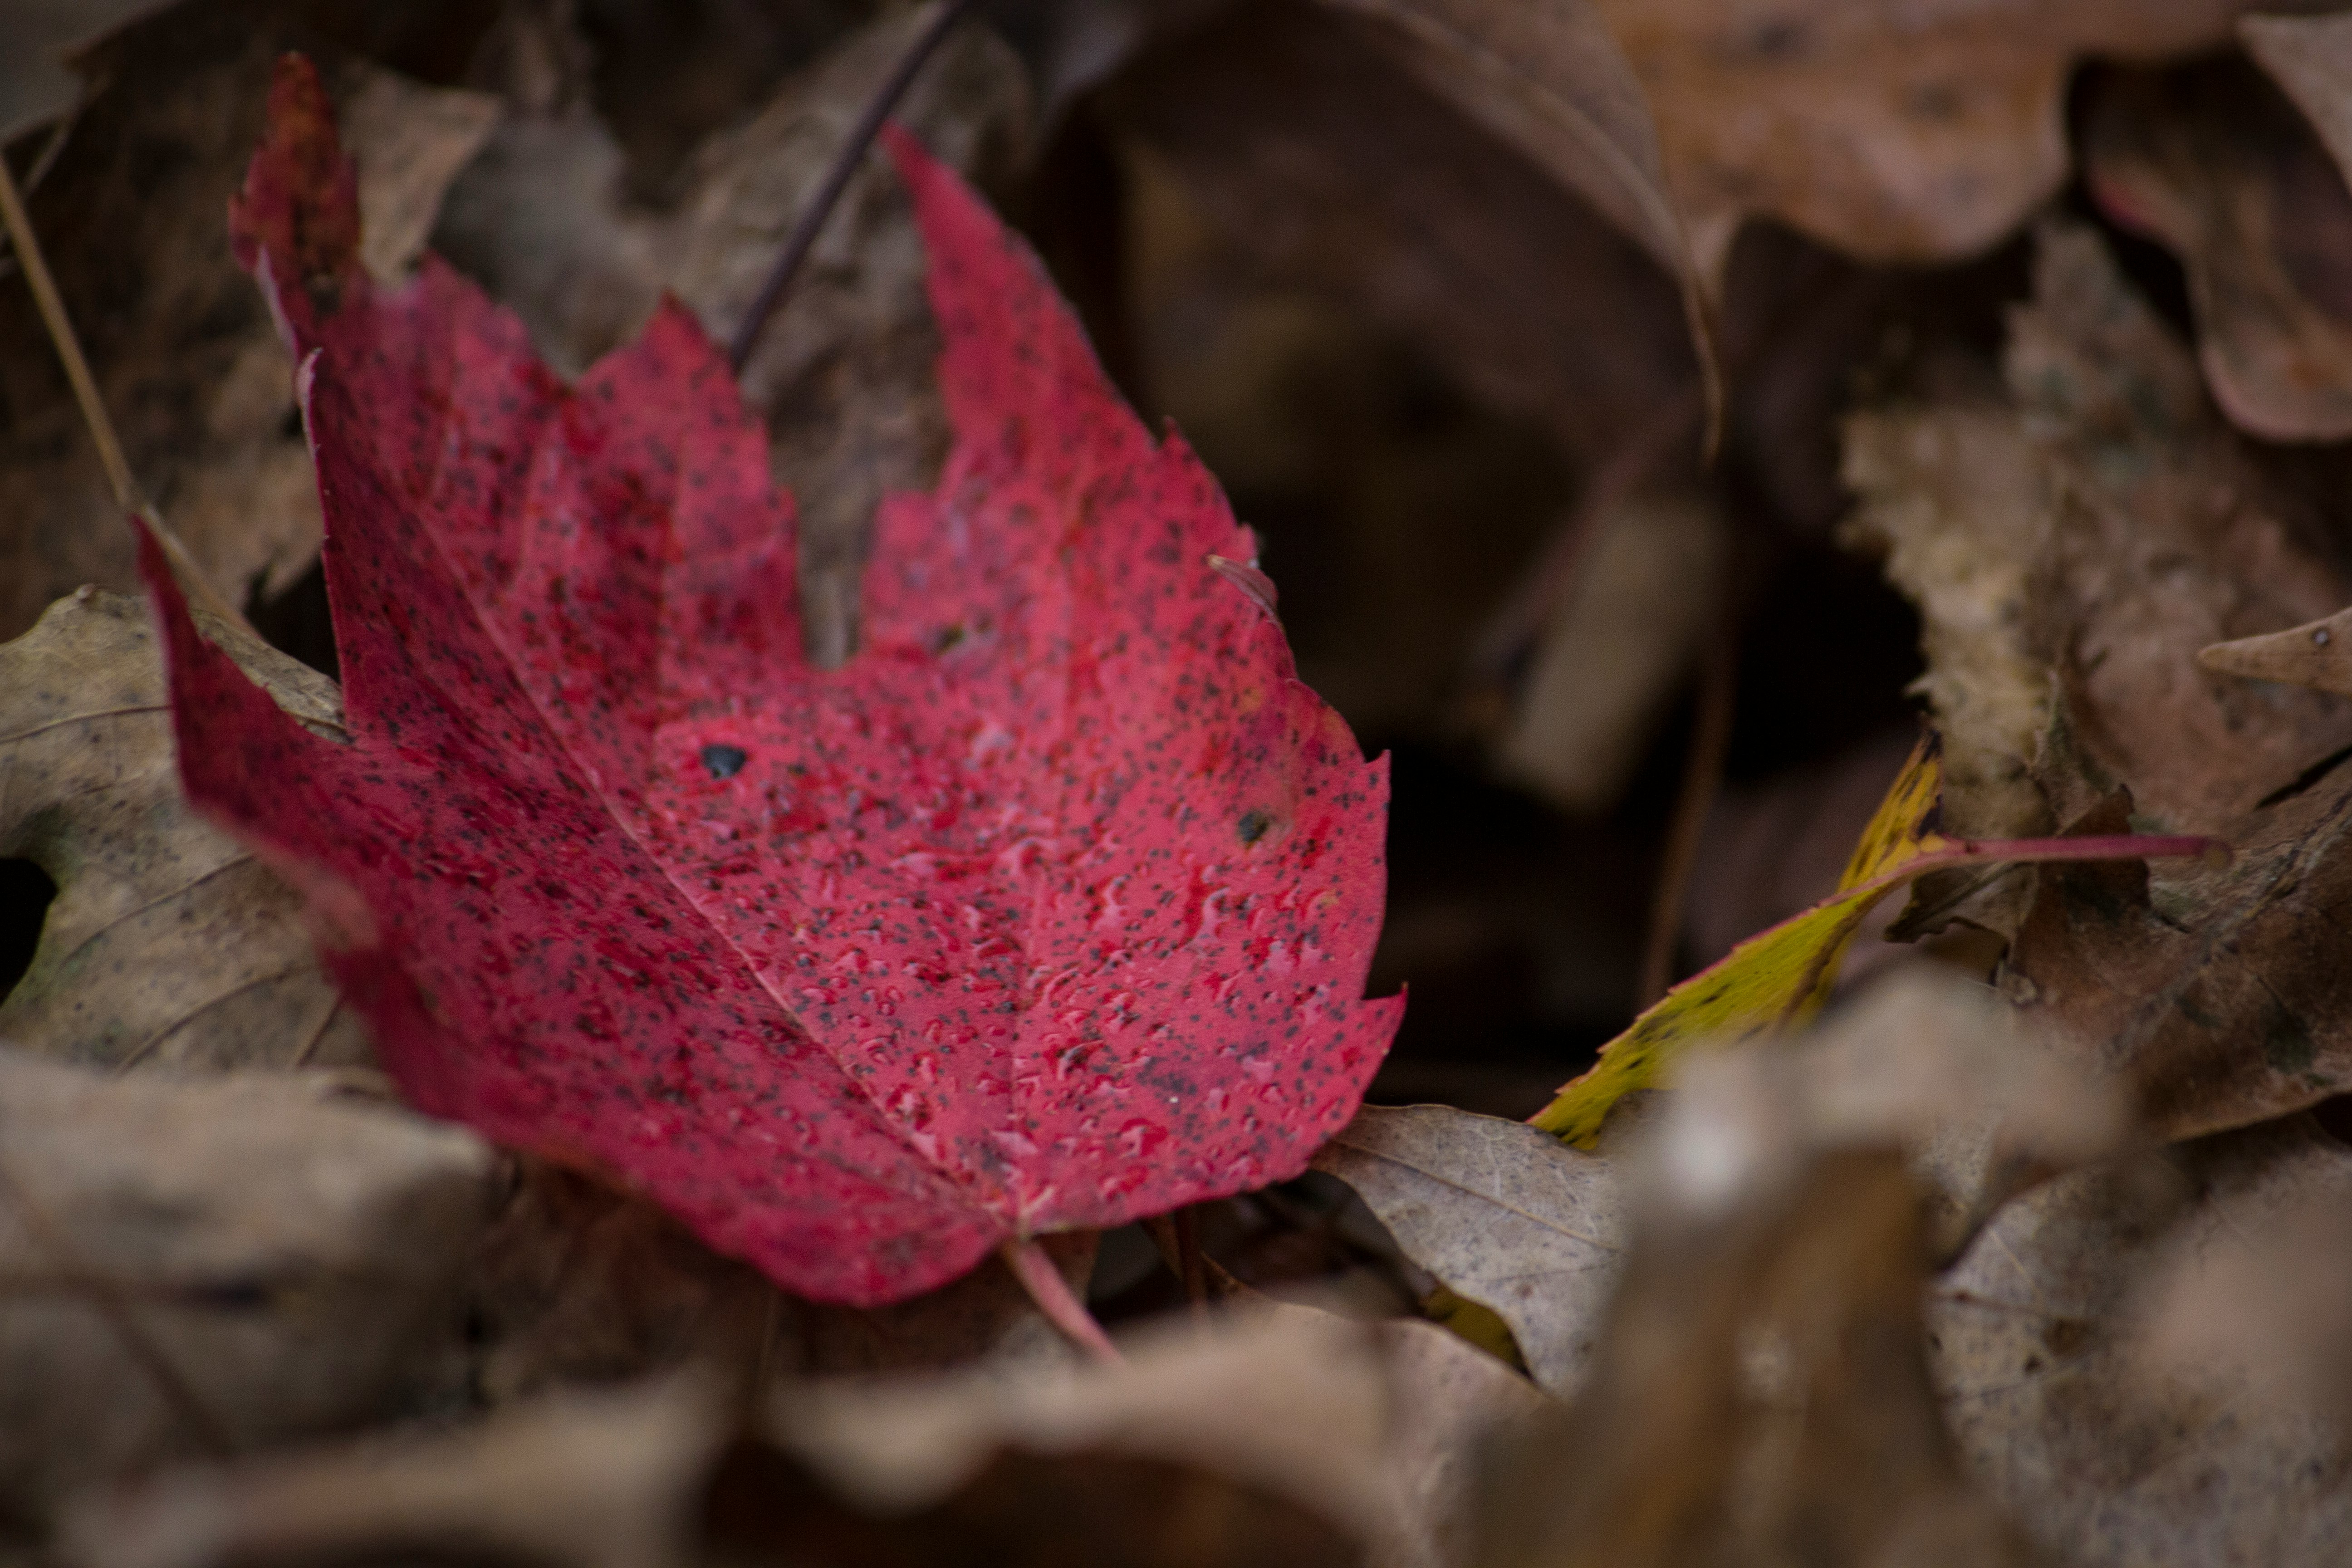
(1044, 1282)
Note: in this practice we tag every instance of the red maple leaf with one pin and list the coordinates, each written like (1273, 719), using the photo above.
(1052, 909)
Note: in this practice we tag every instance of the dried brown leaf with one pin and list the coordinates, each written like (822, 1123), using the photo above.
(2039, 1361)
(1505, 1216)
(1319, 161)
(1885, 131)
(236, 1260)
(1759, 1392)
(2211, 161)
(133, 220)
(168, 942)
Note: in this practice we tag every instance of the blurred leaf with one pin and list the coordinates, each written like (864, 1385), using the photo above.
(2103, 1453)
(229, 1262)
(1548, 78)
(1759, 1387)
(2212, 161)
(132, 217)
(1892, 134)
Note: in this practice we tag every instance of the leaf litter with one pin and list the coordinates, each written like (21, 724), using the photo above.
(2006, 1246)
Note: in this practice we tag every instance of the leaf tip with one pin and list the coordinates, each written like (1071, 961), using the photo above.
(295, 221)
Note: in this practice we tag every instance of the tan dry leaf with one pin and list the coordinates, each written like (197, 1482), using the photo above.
(2038, 1333)
(1958, 498)
(168, 942)
(1370, 1428)
(133, 220)
(1890, 130)
(1651, 593)
(2212, 161)
(1504, 1215)
(2102, 525)
(1098, 1468)
(2212, 993)
(601, 1479)
(1759, 1392)
(243, 1253)
(2166, 537)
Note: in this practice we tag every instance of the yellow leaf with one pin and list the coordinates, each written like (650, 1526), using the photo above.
(1783, 975)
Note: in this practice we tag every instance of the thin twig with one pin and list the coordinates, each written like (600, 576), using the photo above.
(1178, 1238)
(127, 493)
(1702, 780)
(42, 162)
(109, 1304)
(1044, 1282)
(802, 239)
(68, 347)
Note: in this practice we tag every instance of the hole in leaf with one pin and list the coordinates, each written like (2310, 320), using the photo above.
(2334, 1117)
(724, 762)
(297, 621)
(1254, 825)
(25, 894)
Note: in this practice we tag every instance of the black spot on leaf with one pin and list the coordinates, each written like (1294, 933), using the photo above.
(724, 762)
(1254, 825)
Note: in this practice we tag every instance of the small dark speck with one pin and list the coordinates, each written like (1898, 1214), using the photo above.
(724, 762)
(1254, 825)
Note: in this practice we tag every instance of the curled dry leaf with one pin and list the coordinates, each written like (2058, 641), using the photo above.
(133, 218)
(2211, 161)
(1499, 1212)
(2038, 1335)
(168, 942)
(1759, 1390)
(198, 1266)
(1886, 132)
(1547, 78)
(1317, 159)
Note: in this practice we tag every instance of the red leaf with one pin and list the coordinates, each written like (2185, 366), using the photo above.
(1051, 909)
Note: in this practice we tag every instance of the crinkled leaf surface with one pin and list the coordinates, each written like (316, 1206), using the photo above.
(1053, 908)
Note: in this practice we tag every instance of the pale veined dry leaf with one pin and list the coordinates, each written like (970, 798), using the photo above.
(1501, 1213)
(168, 941)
